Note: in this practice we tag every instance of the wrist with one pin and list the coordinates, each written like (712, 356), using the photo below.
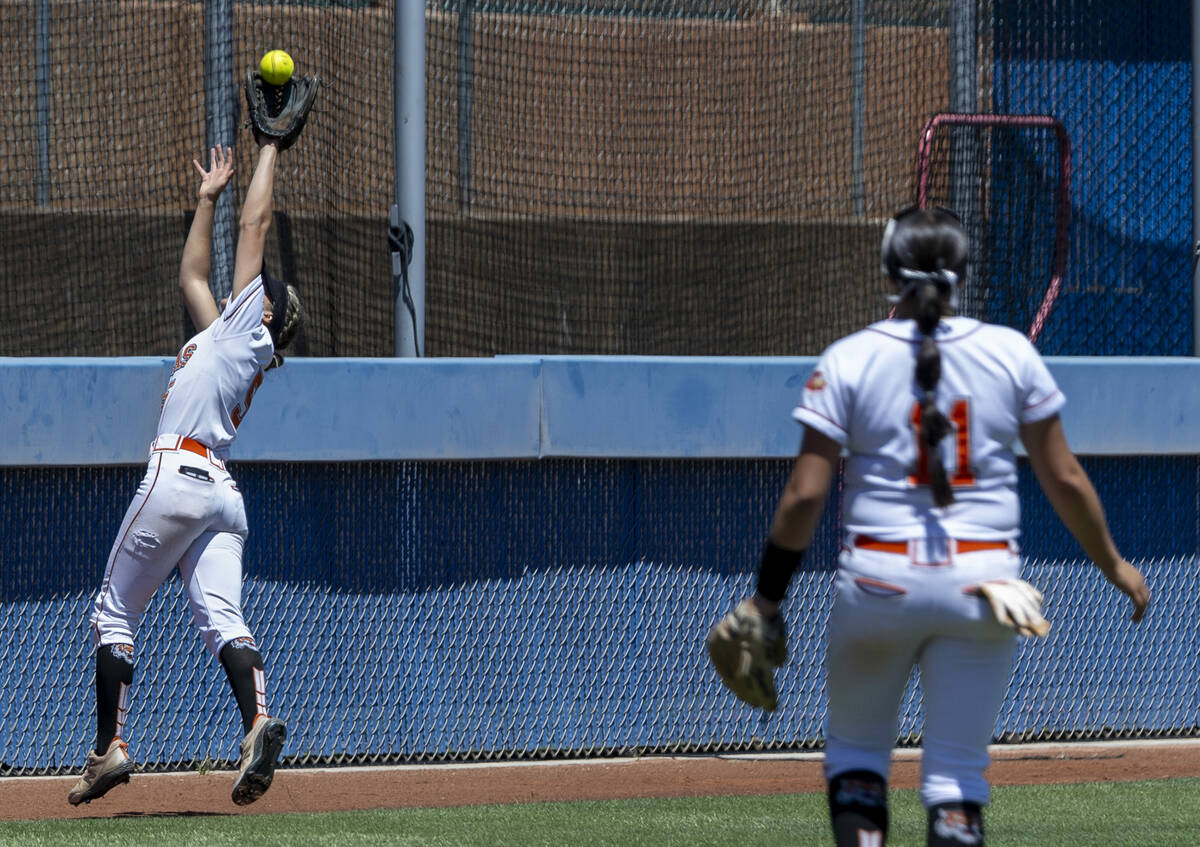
(767, 608)
(775, 571)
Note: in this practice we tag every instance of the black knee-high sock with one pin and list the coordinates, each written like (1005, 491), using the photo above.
(955, 825)
(858, 808)
(114, 676)
(244, 666)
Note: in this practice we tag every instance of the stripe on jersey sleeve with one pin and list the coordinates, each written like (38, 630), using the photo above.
(245, 313)
(822, 423)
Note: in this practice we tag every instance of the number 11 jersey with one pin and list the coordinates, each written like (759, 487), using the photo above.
(863, 394)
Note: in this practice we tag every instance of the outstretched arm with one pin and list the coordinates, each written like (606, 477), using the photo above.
(197, 250)
(1074, 498)
(256, 220)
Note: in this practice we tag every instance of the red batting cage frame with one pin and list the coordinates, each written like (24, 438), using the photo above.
(989, 185)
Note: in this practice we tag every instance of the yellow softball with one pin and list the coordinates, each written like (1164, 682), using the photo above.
(276, 67)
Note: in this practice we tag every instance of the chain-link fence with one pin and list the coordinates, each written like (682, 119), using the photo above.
(485, 610)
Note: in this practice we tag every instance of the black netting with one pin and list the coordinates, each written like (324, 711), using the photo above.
(1118, 75)
(1007, 179)
(103, 111)
(665, 179)
(617, 176)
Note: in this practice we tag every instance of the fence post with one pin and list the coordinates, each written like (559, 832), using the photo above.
(965, 152)
(408, 150)
(220, 107)
(858, 72)
(42, 70)
(1195, 177)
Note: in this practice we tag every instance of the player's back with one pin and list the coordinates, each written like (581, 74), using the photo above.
(216, 374)
(992, 381)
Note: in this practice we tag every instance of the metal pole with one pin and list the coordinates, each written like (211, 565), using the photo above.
(963, 98)
(42, 69)
(408, 143)
(466, 88)
(964, 153)
(220, 111)
(1195, 177)
(963, 65)
(858, 60)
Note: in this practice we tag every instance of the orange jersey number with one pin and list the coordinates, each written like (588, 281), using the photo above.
(185, 355)
(239, 413)
(960, 417)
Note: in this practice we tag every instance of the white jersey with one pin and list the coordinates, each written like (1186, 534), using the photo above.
(863, 394)
(217, 372)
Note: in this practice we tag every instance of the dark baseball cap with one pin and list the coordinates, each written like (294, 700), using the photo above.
(277, 291)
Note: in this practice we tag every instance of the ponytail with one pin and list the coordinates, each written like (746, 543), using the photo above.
(924, 251)
(934, 425)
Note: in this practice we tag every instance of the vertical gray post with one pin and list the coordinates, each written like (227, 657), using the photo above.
(220, 109)
(1195, 177)
(964, 98)
(466, 89)
(964, 153)
(408, 145)
(963, 65)
(42, 69)
(858, 60)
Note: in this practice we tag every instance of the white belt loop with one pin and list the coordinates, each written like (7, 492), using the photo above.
(172, 443)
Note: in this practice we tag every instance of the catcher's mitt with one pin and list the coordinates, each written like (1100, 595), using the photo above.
(745, 649)
(277, 113)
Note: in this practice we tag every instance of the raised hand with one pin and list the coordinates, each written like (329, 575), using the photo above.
(214, 180)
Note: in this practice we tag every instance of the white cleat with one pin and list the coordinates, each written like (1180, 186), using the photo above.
(102, 773)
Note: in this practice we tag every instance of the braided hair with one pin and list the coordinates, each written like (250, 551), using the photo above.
(924, 252)
(294, 317)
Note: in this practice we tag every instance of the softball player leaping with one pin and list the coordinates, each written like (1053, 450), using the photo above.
(188, 511)
(928, 407)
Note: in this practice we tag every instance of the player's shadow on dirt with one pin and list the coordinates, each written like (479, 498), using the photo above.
(180, 814)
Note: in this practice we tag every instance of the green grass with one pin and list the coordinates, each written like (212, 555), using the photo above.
(1133, 814)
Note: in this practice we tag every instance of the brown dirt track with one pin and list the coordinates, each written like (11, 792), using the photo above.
(335, 789)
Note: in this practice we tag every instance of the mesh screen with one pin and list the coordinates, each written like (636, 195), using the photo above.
(1118, 75)
(102, 111)
(668, 178)
(603, 176)
(1007, 180)
(504, 610)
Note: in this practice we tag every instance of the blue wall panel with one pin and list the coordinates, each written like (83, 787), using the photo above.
(103, 412)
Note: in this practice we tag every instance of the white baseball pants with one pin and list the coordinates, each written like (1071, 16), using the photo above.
(188, 513)
(895, 611)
